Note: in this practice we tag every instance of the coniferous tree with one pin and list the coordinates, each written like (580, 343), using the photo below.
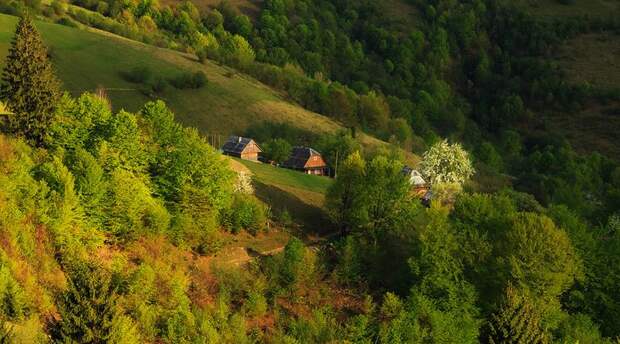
(6, 332)
(516, 322)
(89, 311)
(30, 88)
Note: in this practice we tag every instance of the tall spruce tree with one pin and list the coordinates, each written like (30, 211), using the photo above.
(29, 88)
(89, 311)
(516, 322)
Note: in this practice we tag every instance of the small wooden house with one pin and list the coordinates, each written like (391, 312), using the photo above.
(418, 184)
(241, 147)
(307, 160)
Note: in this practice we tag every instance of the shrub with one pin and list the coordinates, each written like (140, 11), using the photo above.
(159, 85)
(59, 7)
(67, 22)
(138, 75)
(189, 80)
(248, 213)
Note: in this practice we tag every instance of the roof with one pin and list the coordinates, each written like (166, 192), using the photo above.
(415, 177)
(299, 157)
(237, 144)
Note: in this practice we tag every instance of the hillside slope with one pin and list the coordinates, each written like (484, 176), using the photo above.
(230, 103)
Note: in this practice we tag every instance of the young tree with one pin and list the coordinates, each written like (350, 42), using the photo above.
(347, 196)
(277, 150)
(89, 312)
(30, 88)
(516, 322)
(447, 163)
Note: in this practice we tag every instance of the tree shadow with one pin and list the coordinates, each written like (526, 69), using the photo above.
(312, 221)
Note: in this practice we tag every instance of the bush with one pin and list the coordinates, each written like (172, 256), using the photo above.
(189, 80)
(248, 213)
(60, 7)
(138, 75)
(159, 85)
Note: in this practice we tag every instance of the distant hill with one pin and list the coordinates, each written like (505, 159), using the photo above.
(87, 59)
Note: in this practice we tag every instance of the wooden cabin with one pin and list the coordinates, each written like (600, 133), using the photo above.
(242, 147)
(307, 160)
(418, 185)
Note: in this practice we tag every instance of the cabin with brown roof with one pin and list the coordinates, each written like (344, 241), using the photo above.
(307, 160)
(242, 147)
(419, 186)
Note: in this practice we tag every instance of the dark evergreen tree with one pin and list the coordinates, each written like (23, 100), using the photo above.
(6, 332)
(516, 322)
(88, 308)
(30, 88)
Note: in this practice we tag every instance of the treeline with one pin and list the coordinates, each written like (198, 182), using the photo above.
(490, 268)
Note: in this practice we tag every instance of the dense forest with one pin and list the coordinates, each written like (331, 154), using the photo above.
(111, 221)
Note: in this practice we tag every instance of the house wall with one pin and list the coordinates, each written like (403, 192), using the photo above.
(315, 161)
(316, 171)
(251, 152)
(250, 156)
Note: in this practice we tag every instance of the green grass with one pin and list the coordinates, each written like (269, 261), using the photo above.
(269, 174)
(302, 195)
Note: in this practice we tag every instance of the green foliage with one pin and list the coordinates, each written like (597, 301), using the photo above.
(488, 155)
(133, 211)
(246, 212)
(30, 88)
(89, 310)
(138, 75)
(278, 150)
(517, 321)
(539, 256)
(579, 328)
(189, 80)
(347, 196)
(13, 301)
(292, 263)
(368, 197)
(6, 333)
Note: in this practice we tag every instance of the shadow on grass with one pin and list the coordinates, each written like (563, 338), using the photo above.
(312, 220)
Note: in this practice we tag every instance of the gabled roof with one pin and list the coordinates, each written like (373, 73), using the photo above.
(299, 157)
(414, 176)
(237, 144)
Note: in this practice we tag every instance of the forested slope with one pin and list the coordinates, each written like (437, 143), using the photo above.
(113, 223)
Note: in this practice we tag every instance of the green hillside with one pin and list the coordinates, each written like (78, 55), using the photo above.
(87, 59)
(301, 195)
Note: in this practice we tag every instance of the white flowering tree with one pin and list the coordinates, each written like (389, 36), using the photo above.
(446, 163)
(244, 183)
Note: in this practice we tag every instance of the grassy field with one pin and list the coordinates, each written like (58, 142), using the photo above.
(273, 175)
(301, 195)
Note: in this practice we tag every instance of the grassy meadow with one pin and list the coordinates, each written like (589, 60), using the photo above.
(301, 195)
